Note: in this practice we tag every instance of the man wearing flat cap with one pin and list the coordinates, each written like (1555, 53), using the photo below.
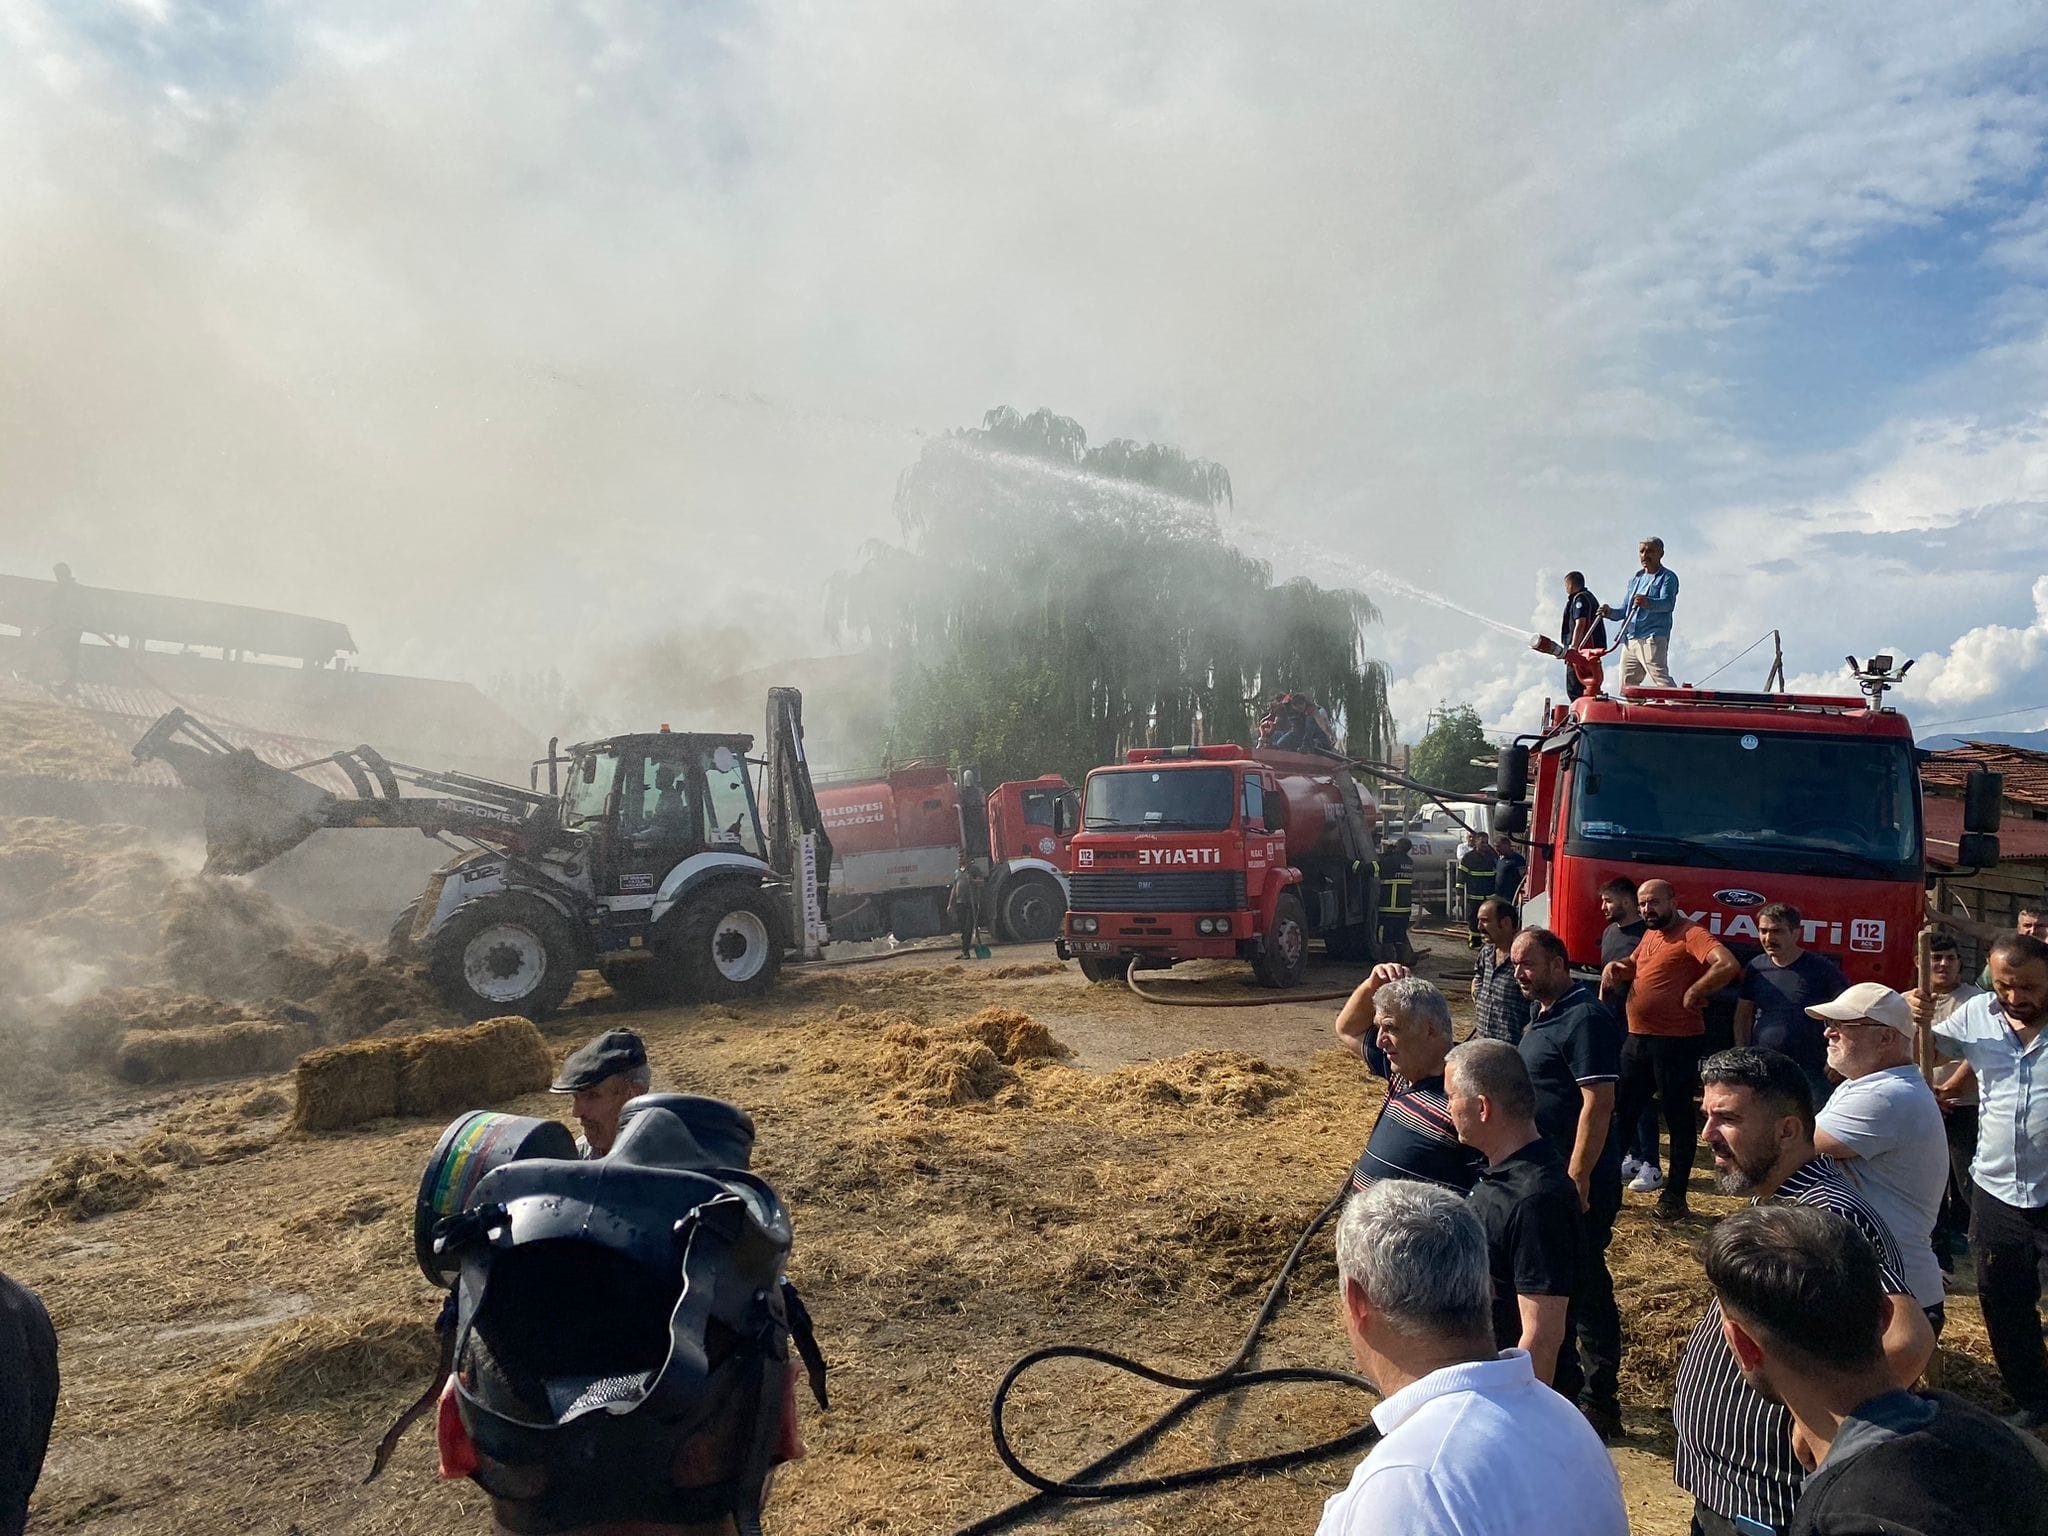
(603, 1075)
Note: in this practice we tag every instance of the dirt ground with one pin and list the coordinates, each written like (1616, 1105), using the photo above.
(235, 1343)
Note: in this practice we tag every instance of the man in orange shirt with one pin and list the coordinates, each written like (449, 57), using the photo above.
(1676, 967)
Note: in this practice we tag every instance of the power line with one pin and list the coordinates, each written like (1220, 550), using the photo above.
(1759, 640)
(2024, 709)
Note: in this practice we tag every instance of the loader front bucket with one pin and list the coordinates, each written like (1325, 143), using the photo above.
(255, 811)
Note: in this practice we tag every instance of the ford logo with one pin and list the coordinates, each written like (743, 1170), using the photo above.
(1739, 898)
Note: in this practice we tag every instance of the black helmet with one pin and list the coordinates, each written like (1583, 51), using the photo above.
(609, 1312)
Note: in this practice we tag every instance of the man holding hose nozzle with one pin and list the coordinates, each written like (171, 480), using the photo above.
(1645, 615)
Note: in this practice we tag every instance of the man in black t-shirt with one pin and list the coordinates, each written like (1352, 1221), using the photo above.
(1777, 988)
(1582, 626)
(1572, 1048)
(1625, 926)
(1524, 1200)
(1803, 1314)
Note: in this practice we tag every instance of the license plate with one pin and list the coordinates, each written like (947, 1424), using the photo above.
(1089, 946)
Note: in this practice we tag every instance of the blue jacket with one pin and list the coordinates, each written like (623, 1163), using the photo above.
(1654, 617)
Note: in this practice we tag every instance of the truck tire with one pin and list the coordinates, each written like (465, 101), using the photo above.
(726, 942)
(1029, 910)
(399, 945)
(1282, 959)
(505, 953)
(1353, 945)
(1103, 973)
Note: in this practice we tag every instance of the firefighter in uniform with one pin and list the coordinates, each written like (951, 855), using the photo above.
(1476, 865)
(1396, 902)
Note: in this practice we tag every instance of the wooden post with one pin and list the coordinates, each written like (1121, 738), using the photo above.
(1923, 1036)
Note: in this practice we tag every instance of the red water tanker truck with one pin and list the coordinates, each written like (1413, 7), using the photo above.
(1738, 800)
(899, 839)
(1216, 852)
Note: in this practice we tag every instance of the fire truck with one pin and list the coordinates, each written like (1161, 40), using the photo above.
(900, 838)
(1216, 852)
(1738, 800)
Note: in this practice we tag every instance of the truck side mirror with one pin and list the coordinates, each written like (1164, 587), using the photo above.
(1983, 802)
(1511, 781)
(1977, 850)
(1512, 819)
(1063, 816)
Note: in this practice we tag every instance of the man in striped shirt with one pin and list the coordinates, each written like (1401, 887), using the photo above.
(1401, 1026)
(1734, 1447)
(1498, 1006)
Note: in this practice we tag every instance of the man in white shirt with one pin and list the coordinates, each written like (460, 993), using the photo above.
(1472, 1444)
(1886, 1131)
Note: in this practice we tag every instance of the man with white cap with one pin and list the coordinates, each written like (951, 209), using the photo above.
(1884, 1127)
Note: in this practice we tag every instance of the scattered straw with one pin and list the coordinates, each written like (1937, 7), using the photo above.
(317, 1361)
(89, 1181)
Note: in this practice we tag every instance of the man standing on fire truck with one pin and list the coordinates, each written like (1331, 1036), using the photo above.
(1645, 615)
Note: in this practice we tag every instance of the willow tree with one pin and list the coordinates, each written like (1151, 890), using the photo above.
(1051, 604)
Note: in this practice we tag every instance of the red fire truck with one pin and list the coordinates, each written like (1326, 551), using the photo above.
(898, 839)
(1736, 799)
(1216, 852)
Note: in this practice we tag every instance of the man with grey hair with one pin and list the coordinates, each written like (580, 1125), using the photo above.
(1401, 1026)
(603, 1075)
(1472, 1444)
(1526, 1202)
(1645, 615)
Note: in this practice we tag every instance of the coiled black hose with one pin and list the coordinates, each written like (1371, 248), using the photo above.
(1233, 1377)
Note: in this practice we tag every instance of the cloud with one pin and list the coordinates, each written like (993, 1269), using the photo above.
(510, 333)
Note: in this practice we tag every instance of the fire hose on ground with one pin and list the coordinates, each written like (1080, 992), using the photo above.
(1233, 1377)
(1165, 1001)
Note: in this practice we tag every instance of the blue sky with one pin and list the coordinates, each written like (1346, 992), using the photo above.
(637, 312)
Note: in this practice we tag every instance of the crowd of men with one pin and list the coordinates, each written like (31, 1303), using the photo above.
(1503, 1158)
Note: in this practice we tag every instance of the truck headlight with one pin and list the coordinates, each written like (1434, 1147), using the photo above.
(1086, 924)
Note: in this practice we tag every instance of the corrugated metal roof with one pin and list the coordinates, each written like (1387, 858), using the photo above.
(25, 603)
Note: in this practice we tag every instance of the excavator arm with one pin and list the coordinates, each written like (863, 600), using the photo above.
(798, 848)
(257, 811)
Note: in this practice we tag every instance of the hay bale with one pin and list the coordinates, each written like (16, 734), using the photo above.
(433, 1073)
(89, 1181)
(345, 1085)
(316, 1361)
(486, 1063)
(90, 1030)
(210, 1050)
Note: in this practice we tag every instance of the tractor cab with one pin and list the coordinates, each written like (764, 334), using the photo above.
(646, 802)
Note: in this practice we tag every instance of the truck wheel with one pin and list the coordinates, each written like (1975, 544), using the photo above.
(1103, 972)
(399, 945)
(1029, 910)
(1352, 945)
(727, 942)
(507, 953)
(1282, 959)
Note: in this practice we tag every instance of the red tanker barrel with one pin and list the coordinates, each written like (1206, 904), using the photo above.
(915, 807)
(1314, 812)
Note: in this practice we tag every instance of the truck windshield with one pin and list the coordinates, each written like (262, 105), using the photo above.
(1165, 799)
(1781, 802)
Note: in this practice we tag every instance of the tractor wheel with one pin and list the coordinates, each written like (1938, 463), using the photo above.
(505, 953)
(1029, 910)
(726, 942)
(1104, 973)
(399, 945)
(642, 982)
(1282, 959)
(1354, 945)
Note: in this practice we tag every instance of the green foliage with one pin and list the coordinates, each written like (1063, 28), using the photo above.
(1443, 758)
(1052, 604)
